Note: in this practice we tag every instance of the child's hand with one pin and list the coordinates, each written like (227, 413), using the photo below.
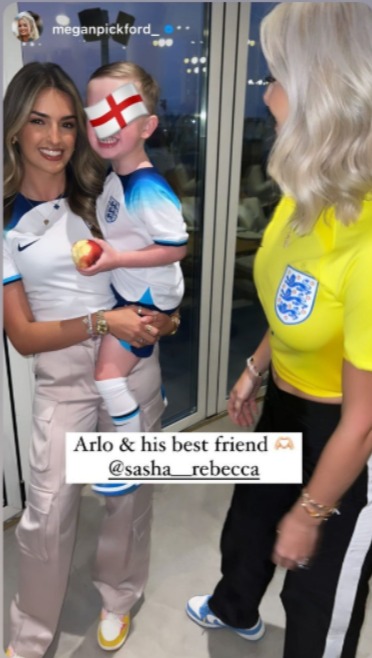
(108, 260)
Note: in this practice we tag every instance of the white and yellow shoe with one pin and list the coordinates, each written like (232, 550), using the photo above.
(113, 630)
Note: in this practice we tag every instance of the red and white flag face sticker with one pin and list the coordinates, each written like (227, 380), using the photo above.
(116, 110)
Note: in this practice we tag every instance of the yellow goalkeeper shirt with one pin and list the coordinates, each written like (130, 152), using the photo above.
(316, 291)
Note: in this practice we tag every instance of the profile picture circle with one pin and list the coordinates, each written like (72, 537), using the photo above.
(27, 26)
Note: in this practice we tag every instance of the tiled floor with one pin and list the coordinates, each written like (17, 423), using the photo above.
(185, 561)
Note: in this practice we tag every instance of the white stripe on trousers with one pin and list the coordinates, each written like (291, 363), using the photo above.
(350, 576)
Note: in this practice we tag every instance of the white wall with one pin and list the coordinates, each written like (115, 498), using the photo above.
(21, 367)
(12, 48)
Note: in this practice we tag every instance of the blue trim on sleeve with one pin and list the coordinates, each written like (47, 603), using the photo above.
(169, 243)
(12, 279)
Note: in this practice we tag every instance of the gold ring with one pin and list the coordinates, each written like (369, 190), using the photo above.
(148, 328)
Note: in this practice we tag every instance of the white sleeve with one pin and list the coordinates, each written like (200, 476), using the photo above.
(160, 210)
(10, 271)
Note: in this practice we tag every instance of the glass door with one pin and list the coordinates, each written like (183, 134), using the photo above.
(258, 196)
(211, 145)
(13, 494)
(251, 199)
(172, 42)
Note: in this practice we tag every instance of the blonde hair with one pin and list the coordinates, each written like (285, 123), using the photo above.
(34, 32)
(321, 54)
(85, 171)
(145, 83)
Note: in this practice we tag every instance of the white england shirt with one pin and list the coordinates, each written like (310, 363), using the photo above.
(37, 250)
(136, 211)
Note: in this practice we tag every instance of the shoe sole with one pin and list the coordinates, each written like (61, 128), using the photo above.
(118, 646)
(221, 625)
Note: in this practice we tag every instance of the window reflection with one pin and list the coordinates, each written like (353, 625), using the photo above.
(257, 198)
(170, 41)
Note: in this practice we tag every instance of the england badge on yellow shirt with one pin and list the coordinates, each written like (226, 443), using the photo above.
(296, 296)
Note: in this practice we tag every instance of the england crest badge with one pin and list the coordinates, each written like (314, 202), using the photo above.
(112, 210)
(296, 296)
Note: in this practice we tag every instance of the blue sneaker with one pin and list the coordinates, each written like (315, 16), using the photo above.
(115, 488)
(199, 611)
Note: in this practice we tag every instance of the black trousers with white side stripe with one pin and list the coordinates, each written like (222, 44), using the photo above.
(324, 604)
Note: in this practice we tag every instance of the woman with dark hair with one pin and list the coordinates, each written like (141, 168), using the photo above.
(51, 181)
(314, 278)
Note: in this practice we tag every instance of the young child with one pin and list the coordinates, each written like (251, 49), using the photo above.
(141, 221)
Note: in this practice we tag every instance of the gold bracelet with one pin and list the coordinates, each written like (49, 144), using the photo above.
(101, 328)
(317, 510)
(176, 322)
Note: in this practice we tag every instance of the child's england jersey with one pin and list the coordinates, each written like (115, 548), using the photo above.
(136, 211)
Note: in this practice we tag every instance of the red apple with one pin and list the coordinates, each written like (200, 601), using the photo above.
(85, 253)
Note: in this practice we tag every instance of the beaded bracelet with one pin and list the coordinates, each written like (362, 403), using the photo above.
(317, 510)
(97, 328)
(89, 324)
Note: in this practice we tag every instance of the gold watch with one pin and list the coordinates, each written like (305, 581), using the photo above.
(102, 327)
(176, 323)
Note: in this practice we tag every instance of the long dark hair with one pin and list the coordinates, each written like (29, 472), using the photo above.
(85, 171)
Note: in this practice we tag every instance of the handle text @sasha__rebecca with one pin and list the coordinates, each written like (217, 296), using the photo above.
(184, 457)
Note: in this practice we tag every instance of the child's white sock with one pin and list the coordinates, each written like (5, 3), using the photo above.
(120, 404)
(125, 414)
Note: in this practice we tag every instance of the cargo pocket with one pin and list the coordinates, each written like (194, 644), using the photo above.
(43, 411)
(33, 527)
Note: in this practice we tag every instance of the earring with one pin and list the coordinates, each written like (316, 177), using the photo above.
(14, 140)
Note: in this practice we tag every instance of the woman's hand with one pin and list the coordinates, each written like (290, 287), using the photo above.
(298, 535)
(137, 330)
(164, 323)
(242, 405)
(139, 326)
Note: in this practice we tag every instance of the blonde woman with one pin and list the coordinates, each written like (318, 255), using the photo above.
(26, 27)
(314, 278)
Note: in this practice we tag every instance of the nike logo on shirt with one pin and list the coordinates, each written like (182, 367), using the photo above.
(21, 248)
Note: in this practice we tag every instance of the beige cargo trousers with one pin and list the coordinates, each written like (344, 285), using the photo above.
(66, 400)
